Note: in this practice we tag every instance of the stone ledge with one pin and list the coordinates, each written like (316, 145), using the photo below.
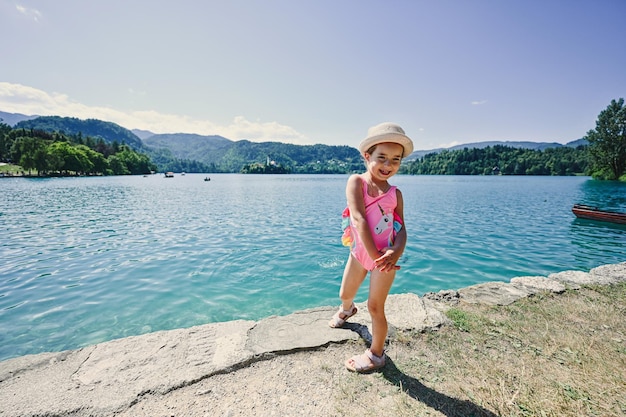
(109, 377)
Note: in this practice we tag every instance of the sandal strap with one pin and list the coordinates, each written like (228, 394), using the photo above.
(349, 311)
(376, 360)
(361, 362)
(337, 320)
(367, 361)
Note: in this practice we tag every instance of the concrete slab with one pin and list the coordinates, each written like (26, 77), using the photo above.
(537, 284)
(493, 293)
(301, 330)
(610, 274)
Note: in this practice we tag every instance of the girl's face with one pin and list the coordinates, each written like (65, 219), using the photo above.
(384, 161)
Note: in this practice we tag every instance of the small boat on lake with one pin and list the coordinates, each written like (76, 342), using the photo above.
(169, 175)
(593, 213)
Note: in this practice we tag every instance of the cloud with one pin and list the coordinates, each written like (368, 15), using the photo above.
(17, 98)
(478, 103)
(30, 13)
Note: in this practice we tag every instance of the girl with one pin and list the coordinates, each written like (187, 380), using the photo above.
(376, 235)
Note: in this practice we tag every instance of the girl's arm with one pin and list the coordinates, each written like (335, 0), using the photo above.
(400, 242)
(393, 253)
(356, 203)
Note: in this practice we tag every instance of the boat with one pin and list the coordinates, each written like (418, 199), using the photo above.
(593, 213)
(169, 175)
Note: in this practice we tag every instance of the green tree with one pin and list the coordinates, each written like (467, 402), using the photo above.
(42, 162)
(28, 152)
(134, 162)
(607, 142)
(74, 159)
(116, 166)
(98, 161)
(5, 144)
(54, 159)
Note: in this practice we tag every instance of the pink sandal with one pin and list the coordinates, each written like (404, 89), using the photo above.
(338, 321)
(365, 362)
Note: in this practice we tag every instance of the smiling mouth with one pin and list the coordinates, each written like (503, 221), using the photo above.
(385, 172)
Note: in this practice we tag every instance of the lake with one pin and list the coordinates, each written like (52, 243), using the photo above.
(85, 260)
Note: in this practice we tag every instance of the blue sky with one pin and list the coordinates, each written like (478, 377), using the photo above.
(320, 71)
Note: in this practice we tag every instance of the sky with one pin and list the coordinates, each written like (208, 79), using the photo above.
(319, 71)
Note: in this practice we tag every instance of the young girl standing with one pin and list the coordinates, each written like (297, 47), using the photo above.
(376, 235)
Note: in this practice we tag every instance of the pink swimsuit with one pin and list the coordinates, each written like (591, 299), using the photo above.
(383, 222)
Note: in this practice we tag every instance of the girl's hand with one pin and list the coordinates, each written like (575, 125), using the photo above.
(387, 262)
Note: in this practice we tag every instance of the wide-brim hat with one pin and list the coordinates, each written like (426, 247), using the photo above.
(384, 133)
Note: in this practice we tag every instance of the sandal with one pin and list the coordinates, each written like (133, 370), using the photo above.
(338, 321)
(365, 362)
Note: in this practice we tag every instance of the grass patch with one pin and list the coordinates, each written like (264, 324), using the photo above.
(549, 355)
(10, 168)
(460, 319)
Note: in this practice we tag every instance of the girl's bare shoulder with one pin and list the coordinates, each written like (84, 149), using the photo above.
(355, 180)
(355, 177)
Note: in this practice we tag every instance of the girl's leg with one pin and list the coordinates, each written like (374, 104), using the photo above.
(380, 284)
(353, 276)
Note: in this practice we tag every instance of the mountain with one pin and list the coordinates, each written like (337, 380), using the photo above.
(197, 153)
(142, 134)
(230, 156)
(524, 145)
(14, 118)
(108, 131)
(212, 149)
(224, 155)
(577, 143)
(206, 149)
(512, 144)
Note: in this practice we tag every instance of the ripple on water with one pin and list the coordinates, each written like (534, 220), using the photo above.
(92, 259)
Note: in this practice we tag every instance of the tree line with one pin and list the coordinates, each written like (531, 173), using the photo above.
(502, 160)
(58, 154)
(246, 156)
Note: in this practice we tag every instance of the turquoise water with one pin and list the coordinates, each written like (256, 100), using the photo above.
(85, 260)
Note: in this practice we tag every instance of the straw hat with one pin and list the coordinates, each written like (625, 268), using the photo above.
(386, 132)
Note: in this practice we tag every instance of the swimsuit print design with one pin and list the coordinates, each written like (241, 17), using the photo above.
(386, 221)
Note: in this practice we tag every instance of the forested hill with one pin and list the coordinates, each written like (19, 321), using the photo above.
(314, 159)
(503, 160)
(224, 155)
(208, 149)
(108, 131)
(537, 146)
(197, 153)
(14, 118)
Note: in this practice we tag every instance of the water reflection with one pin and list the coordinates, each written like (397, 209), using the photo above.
(607, 195)
(590, 236)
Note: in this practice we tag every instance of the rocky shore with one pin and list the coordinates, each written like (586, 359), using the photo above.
(191, 371)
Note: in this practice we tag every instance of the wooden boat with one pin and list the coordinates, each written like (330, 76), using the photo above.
(593, 213)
